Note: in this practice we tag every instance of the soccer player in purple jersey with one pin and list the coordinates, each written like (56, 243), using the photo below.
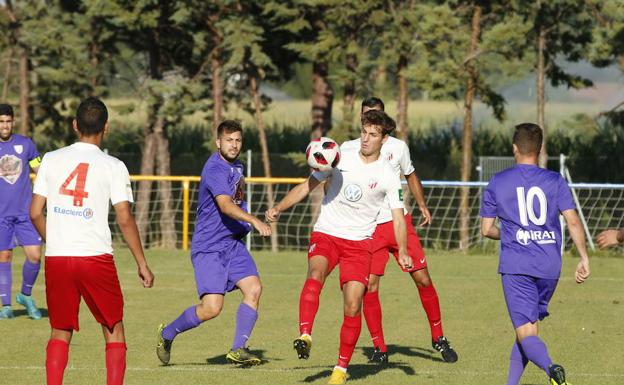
(18, 156)
(220, 260)
(527, 201)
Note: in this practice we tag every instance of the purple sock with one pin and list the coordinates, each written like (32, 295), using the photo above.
(29, 276)
(187, 320)
(517, 363)
(6, 281)
(535, 350)
(246, 318)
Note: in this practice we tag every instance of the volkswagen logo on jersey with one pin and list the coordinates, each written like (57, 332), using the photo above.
(353, 192)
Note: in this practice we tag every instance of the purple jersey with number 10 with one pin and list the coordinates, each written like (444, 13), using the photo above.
(527, 200)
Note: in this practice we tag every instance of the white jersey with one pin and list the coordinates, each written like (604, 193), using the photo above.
(395, 152)
(355, 193)
(79, 181)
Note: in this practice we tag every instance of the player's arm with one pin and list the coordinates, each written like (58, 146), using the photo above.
(611, 237)
(36, 214)
(489, 228)
(400, 233)
(232, 210)
(130, 233)
(294, 196)
(578, 237)
(417, 190)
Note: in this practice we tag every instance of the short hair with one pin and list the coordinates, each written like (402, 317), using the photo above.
(228, 127)
(91, 117)
(372, 102)
(528, 138)
(379, 119)
(6, 109)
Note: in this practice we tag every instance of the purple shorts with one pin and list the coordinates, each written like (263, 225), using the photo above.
(527, 297)
(18, 231)
(218, 272)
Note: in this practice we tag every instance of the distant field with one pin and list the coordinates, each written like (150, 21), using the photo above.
(584, 332)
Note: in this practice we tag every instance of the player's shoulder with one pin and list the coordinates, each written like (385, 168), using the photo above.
(395, 143)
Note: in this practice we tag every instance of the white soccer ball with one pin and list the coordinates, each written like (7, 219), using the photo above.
(323, 154)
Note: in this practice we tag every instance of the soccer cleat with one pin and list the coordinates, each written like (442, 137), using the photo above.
(557, 375)
(29, 303)
(337, 377)
(6, 312)
(163, 347)
(303, 345)
(442, 345)
(242, 356)
(379, 357)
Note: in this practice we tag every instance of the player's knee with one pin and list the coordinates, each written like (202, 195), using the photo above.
(253, 293)
(352, 308)
(317, 274)
(206, 311)
(421, 278)
(5, 256)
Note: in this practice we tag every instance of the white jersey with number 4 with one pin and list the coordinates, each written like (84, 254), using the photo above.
(395, 152)
(355, 193)
(79, 181)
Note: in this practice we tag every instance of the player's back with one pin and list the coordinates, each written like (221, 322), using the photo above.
(79, 181)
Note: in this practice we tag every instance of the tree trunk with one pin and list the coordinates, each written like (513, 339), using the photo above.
(144, 195)
(466, 166)
(402, 102)
(348, 99)
(7, 77)
(540, 88)
(322, 99)
(217, 93)
(163, 162)
(266, 163)
(24, 86)
(381, 79)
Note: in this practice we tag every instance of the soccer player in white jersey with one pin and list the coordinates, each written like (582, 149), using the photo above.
(77, 183)
(396, 152)
(355, 192)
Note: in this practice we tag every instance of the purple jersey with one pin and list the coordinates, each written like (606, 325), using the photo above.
(527, 200)
(219, 177)
(15, 185)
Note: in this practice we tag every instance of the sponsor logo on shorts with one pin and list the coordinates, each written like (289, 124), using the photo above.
(524, 237)
(85, 213)
(312, 247)
(422, 260)
(353, 192)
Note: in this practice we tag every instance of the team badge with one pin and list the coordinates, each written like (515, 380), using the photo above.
(11, 167)
(18, 148)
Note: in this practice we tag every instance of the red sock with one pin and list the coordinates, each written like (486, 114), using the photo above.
(57, 354)
(431, 304)
(349, 334)
(372, 315)
(308, 305)
(115, 363)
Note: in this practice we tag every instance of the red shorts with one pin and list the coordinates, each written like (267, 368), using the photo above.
(353, 256)
(92, 278)
(384, 242)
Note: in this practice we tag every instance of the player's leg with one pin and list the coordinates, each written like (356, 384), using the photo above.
(7, 231)
(517, 362)
(30, 240)
(115, 353)
(246, 317)
(57, 355)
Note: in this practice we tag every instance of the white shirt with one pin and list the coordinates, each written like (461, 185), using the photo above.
(396, 152)
(79, 181)
(355, 193)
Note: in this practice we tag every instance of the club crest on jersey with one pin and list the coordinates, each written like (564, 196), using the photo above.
(353, 192)
(11, 167)
(389, 157)
(524, 237)
(18, 148)
(372, 184)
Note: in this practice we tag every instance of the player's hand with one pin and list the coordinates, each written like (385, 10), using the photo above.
(146, 276)
(608, 238)
(405, 260)
(263, 228)
(272, 214)
(582, 271)
(426, 215)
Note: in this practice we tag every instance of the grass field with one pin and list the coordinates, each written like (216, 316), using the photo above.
(585, 331)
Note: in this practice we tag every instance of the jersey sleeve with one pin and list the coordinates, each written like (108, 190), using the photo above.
(41, 183)
(121, 189)
(394, 190)
(215, 180)
(565, 200)
(321, 175)
(406, 161)
(34, 159)
(488, 205)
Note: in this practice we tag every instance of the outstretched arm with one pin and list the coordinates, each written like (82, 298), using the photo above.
(232, 210)
(578, 237)
(413, 182)
(489, 229)
(130, 233)
(294, 196)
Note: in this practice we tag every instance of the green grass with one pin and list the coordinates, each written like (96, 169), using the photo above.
(584, 332)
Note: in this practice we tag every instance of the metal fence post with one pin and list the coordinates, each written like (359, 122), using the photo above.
(185, 214)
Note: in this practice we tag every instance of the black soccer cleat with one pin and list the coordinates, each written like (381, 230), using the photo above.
(163, 346)
(379, 357)
(442, 345)
(557, 375)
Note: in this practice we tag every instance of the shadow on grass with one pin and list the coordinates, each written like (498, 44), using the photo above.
(361, 371)
(425, 353)
(220, 359)
(22, 312)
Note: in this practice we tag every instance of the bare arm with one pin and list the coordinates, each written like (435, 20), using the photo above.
(294, 196)
(400, 234)
(413, 182)
(232, 210)
(611, 237)
(578, 237)
(131, 235)
(36, 214)
(489, 229)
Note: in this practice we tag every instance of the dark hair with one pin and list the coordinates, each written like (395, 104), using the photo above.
(228, 127)
(372, 103)
(6, 109)
(528, 138)
(91, 117)
(379, 119)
